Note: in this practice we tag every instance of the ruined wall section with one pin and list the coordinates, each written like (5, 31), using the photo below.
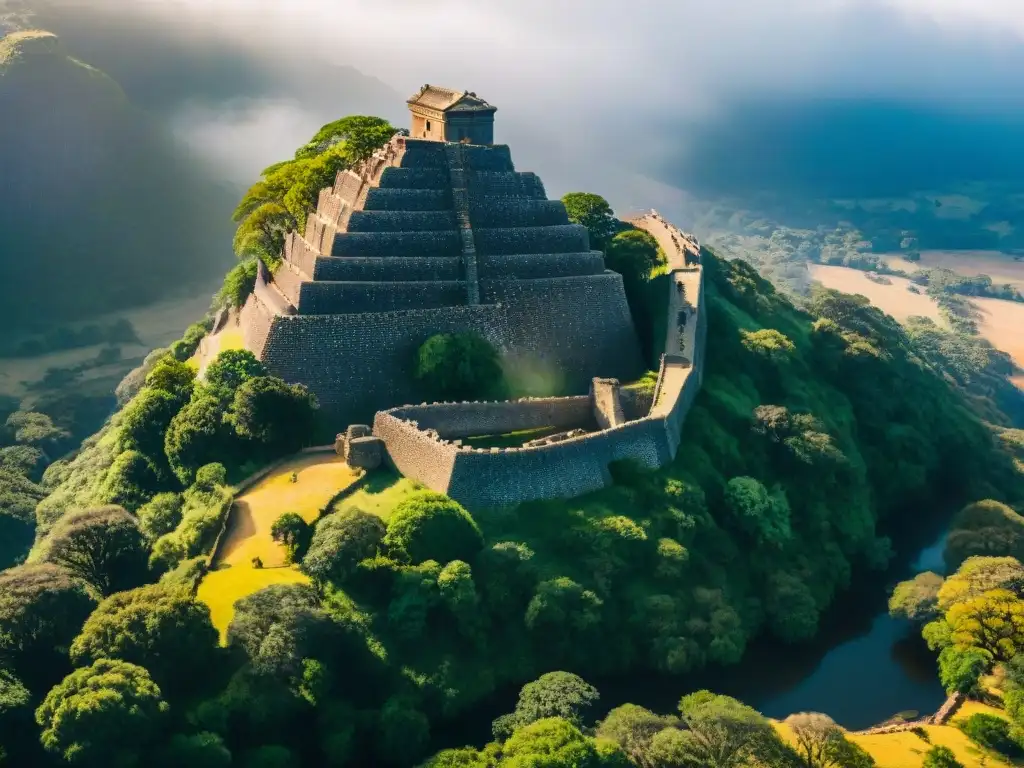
(421, 438)
(358, 364)
(453, 421)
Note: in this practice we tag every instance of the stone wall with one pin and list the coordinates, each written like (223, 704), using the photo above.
(327, 298)
(533, 266)
(453, 421)
(419, 439)
(359, 364)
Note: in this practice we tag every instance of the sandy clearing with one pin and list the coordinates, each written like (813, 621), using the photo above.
(1001, 267)
(894, 299)
(1002, 324)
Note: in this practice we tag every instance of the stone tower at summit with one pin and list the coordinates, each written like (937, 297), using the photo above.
(437, 233)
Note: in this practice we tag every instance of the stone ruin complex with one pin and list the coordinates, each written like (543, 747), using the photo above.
(435, 236)
(438, 233)
(426, 442)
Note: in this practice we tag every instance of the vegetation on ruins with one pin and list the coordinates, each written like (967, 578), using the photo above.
(801, 458)
(459, 366)
(280, 202)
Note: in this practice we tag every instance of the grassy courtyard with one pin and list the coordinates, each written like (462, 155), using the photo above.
(317, 478)
(381, 494)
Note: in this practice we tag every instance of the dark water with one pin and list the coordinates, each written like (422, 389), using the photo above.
(862, 668)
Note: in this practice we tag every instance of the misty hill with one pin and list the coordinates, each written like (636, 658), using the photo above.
(100, 209)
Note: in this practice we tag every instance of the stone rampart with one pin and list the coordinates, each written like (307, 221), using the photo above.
(564, 238)
(506, 184)
(454, 421)
(326, 298)
(495, 157)
(423, 244)
(379, 199)
(517, 212)
(419, 439)
(397, 269)
(401, 221)
(377, 352)
(534, 266)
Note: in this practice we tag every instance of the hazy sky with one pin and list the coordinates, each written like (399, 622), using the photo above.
(577, 81)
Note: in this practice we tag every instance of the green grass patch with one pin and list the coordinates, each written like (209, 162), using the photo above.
(383, 492)
(511, 439)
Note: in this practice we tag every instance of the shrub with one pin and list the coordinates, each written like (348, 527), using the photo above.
(992, 732)
(430, 526)
(340, 542)
(940, 757)
(460, 366)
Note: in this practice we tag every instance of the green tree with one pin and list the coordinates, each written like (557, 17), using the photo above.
(723, 733)
(634, 254)
(24, 460)
(402, 732)
(131, 481)
(37, 429)
(164, 628)
(960, 669)
(633, 728)
(818, 739)
(230, 370)
(940, 756)
(275, 627)
(294, 533)
(458, 592)
(144, 421)
(196, 436)
(769, 343)
(555, 694)
(916, 600)
(102, 715)
(279, 417)
(562, 613)
(594, 213)
(430, 526)
(987, 528)
(792, 609)
(992, 621)
(340, 541)
(239, 284)
(271, 756)
(361, 135)
(103, 546)
(551, 743)
(459, 366)
(762, 514)
(505, 573)
(992, 732)
(977, 575)
(42, 608)
(160, 515)
(17, 726)
(173, 377)
(200, 750)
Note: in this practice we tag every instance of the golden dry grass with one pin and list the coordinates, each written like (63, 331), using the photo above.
(221, 588)
(906, 749)
(318, 478)
(892, 299)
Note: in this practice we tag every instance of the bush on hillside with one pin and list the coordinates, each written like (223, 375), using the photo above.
(340, 542)
(431, 526)
(992, 732)
(278, 418)
(988, 528)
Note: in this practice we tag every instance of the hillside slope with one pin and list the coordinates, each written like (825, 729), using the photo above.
(99, 209)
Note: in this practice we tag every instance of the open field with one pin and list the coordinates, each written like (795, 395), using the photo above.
(905, 749)
(319, 477)
(892, 299)
(1002, 323)
(221, 588)
(381, 495)
(1001, 267)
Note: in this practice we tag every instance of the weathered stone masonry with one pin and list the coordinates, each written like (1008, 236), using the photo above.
(424, 442)
(432, 237)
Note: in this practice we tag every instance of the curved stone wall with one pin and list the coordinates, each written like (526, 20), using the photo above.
(420, 440)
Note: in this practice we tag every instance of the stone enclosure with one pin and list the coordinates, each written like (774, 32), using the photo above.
(436, 234)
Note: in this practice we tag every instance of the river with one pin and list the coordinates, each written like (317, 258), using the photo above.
(862, 668)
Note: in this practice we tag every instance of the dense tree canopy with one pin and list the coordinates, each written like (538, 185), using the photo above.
(594, 213)
(102, 715)
(340, 542)
(430, 526)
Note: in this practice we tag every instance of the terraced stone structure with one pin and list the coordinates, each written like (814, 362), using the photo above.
(429, 237)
